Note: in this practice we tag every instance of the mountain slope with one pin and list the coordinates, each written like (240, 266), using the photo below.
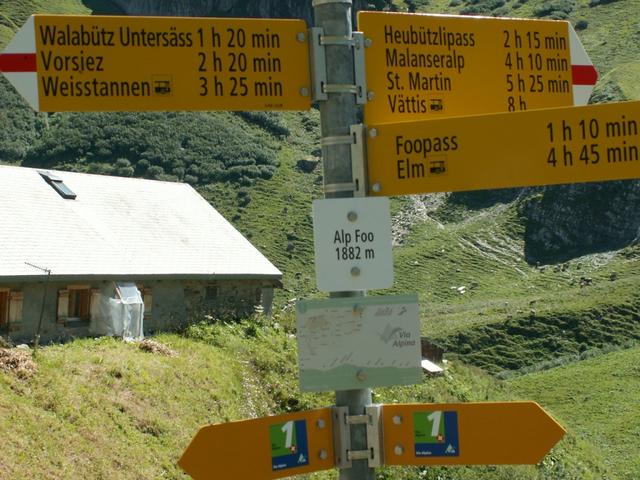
(472, 257)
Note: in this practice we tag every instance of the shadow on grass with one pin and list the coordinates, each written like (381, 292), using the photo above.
(103, 7)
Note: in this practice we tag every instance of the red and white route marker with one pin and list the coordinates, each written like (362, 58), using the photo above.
(19, 65)
(583, 72)
(24, 64)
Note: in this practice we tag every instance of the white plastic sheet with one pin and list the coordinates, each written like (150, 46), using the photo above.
(120, 315)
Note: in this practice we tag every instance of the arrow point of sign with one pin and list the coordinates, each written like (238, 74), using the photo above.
(24, 41)
(26, 83)
(193, 460)
(583, 73)
(548, 432)
(18, 63)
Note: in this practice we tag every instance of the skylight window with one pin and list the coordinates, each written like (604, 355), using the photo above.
(58, 185)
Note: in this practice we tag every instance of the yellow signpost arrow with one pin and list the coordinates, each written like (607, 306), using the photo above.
(468, 433)
(95, 63)
(262, 448)
(541, 147)
(416, 434)
(434, 66)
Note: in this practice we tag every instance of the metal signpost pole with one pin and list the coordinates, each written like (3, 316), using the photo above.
(337, 114)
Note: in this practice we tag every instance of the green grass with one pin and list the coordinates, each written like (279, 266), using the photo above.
(597, 399)
(484, 252)
(277, 219)
(625, 77)
(104, 409)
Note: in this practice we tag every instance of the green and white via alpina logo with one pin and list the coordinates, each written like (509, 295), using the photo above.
(399, 337)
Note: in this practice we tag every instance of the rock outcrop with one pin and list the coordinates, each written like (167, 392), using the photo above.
(226, 8)
(568, 221)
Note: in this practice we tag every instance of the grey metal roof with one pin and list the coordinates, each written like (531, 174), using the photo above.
(117, 227)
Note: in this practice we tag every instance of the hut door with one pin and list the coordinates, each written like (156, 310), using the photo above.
(4, 308)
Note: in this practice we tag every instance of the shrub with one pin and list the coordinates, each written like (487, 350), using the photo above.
(270, 121)
(581, 24)
(155, 171)
(155, 145)
(556, 9)
(501, 12)
(482, 7)
(593, 3)
(123, 168)
(191, 179)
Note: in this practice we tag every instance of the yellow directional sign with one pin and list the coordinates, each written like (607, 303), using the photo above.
(468, 433)
(435, 66)
(263, 448)
(94, 63)
(542, 147)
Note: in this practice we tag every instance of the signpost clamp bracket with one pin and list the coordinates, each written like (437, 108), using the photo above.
(356, 139)
(342, 422)
(359, 68)
(321, 87)
(359, 160)
(337, 40)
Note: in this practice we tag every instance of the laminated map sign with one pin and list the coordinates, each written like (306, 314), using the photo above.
(350, 343)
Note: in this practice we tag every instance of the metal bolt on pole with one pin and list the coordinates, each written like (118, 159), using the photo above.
(337, 114)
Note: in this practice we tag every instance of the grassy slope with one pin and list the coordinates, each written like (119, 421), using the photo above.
(514, 315)
(104, 409)
(107, 410)
(599, 398)
(278, 218)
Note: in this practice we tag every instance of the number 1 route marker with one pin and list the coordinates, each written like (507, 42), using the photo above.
(101, 63)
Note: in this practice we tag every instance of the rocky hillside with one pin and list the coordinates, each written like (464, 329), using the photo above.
(225, 8)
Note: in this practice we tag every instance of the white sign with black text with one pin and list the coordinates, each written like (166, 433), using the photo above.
(352, 239)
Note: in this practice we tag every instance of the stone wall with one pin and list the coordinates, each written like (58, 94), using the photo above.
(173, 304)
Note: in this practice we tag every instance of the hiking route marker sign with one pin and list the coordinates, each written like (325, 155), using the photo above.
(484, 433)
(100, 63)
(542, 147)
(421, 67)
(262, 448)
(93, 63)
(266, 448)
